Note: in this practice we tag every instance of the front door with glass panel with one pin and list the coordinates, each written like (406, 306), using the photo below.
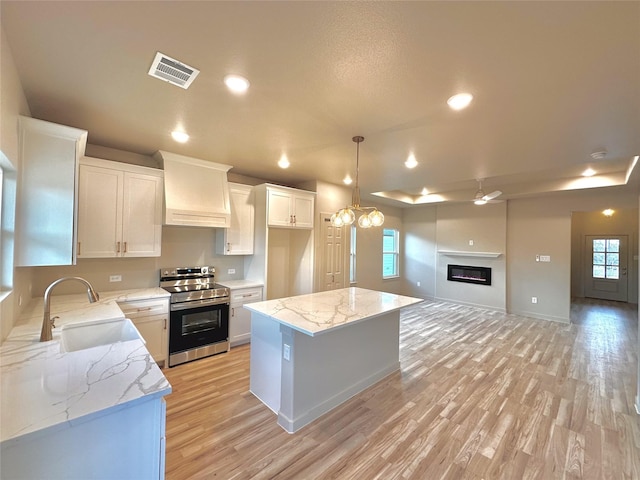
(606, 267)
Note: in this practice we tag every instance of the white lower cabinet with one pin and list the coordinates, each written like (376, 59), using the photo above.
(124, 443)
(239, 317)
(151, 317)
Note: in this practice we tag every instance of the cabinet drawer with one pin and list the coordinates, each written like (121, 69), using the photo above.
(145, 308)
(246, 295)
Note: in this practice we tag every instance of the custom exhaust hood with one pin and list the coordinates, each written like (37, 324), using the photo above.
(196, 192)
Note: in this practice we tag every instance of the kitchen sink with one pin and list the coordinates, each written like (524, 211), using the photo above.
(81, 336)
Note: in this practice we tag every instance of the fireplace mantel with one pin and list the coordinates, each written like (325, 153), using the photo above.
(461, 253)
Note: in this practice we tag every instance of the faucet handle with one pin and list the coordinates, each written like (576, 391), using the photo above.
(53, 321)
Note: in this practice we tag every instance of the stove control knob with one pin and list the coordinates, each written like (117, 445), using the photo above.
(204, 270)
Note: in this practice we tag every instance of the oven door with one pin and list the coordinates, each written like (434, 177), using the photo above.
(195, 326)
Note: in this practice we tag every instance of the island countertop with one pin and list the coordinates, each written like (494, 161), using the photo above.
(317, 313)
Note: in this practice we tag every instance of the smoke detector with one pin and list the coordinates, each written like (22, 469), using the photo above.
(172, 71)
(599, 154)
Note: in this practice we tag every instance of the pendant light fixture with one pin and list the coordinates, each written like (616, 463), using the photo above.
(369, 216)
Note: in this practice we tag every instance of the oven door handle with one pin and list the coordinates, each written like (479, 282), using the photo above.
(199, 303)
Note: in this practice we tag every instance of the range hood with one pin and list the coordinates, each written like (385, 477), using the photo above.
(196, 192)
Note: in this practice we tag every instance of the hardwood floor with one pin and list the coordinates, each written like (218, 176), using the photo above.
(480, 394)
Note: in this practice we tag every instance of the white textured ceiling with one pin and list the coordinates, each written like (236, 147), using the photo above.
(553, 81)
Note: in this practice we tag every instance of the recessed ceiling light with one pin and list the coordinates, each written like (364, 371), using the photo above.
(284, 161)
(179, 136)
(411, 161)
(236, 83)
(460, 101)
(347, 180)
(589, 172)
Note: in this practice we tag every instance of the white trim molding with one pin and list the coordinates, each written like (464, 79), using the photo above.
(460, 253)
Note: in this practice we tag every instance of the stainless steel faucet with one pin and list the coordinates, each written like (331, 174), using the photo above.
(47, 322)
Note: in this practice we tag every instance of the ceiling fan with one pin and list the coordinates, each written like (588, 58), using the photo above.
(481, 198)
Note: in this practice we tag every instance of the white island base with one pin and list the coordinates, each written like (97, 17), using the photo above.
(313, 352)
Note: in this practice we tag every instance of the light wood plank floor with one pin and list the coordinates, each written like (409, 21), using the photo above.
(480, 394)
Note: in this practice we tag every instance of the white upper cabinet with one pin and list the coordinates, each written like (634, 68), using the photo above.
(238, 238)
(290, 208)
(47, 209)
(119, 211)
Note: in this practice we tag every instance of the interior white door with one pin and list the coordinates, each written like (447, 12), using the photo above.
(332, 266)
(606, 267)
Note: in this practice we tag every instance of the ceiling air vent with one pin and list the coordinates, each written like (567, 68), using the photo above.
(172, 71)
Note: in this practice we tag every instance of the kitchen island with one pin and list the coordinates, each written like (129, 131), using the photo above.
(310, 353)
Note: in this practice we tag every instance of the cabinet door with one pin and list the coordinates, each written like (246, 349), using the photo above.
(303, 211)
(99, 212)
(239, 236)
(142, 215)
(46, 206)
(239, 317)
(153, 331)
(150, 318)
(279, 209)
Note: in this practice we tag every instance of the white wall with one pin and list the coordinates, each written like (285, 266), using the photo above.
(331, 198)
(543, 226)
(538, 227)
(419, 246)
(15, 282)
(533, 226)
(181, 246)
(430, 228)
(485, 226)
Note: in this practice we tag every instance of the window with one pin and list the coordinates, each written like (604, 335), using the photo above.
(606, 258)
(390, 253)
(352, 256)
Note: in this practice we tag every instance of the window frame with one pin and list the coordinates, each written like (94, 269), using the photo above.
(352, 255)
(395, 252)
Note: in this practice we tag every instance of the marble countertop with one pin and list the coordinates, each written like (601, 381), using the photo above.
(235, 284)
(317, 313)
(44, 389)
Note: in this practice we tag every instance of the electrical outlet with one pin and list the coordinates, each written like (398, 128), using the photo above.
(534, 299)
(418, 284)
(286, 353)
(545, 258)
(231, 271)
(471, 242)
(115, 278)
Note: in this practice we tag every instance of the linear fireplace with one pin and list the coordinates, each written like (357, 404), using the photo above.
(469, 274)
